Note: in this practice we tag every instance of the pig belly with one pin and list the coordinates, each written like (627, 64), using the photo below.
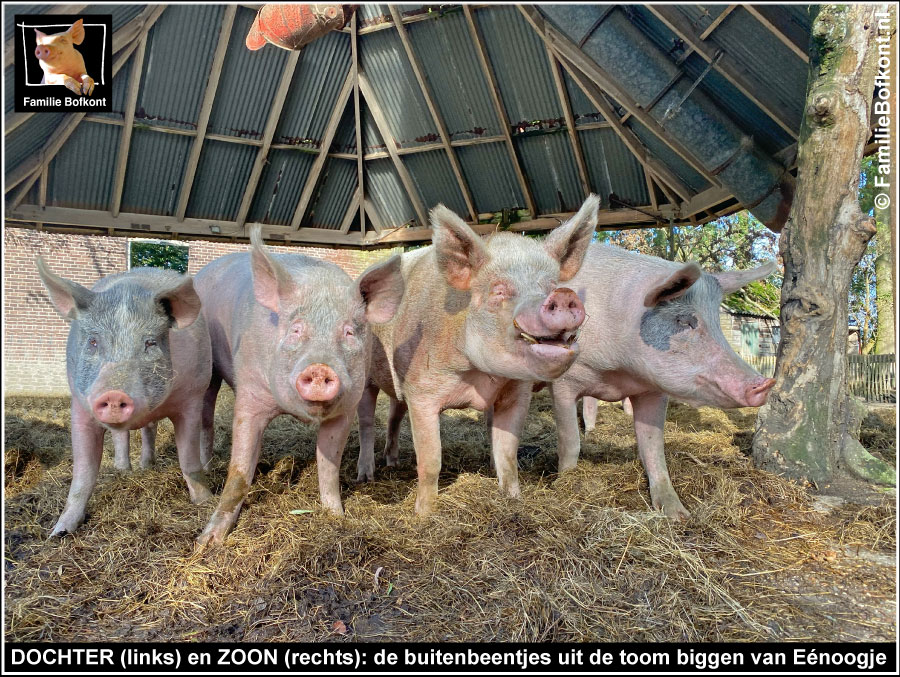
(612, 386)
(476, 390)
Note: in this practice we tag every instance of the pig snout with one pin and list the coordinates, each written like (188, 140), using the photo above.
(561, 312)
(42, 52)
(113, 407)
(757, 392)
(318, 383)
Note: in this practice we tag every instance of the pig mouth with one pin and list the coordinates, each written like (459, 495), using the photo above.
(552, 345)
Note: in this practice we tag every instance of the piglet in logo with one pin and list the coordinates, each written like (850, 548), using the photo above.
(61, 62)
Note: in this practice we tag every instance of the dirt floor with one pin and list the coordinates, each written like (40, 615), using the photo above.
(579, 557)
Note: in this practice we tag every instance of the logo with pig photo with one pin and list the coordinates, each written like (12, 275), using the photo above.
(63, 63)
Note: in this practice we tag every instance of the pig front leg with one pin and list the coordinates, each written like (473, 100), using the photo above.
(589, 412)
(510, 410)
(425, 422)
(392, 440)
(148, 444)
(71, 83)
(565, 412)
(87, 84)
(247, 431)
(365, 412)
(122, 445)
(87, 450)
(187, 442)
(649, 418)
(208, 420)
(329, 449)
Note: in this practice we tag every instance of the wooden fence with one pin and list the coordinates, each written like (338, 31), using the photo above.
(870, 377)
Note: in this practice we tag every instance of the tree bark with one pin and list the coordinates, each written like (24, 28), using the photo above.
(884, 297)
(807, 428)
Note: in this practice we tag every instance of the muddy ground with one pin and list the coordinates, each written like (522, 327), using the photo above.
(579, 557)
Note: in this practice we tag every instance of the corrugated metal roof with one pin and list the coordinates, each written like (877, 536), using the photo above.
(384, 62)
(247, 84)
(612, 168)
(582, 109)
(9, 97)
(119, 91)
(317, 81)
(68, 184)
(280, 186)
(221, 179)
(549, 164)
(335, 190)
(30, 137)
(450, 62)
(384, 189)
(434, 178)
(153, 175)
(173, 81)
(489, 173)
(668, 157)
(344, 140)
(373, 14)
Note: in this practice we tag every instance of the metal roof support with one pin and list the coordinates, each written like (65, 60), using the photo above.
(629, 138)
(422, 79)
(779, 26)
(357, 118)
(209, 97)
(125, 138)
(328, 137)
(29, 171)
(268, 134)
(494, 90)
(729, 67)
(563, 95)
(391, 145)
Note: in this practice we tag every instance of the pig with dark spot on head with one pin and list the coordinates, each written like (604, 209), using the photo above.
(138, 350)
(483, 319)
(291, 335)
(653, 333)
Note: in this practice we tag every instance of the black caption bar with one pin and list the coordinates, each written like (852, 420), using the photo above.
(398, 657)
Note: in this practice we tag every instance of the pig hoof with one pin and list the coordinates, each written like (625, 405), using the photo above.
(200, 495)
(87, 86)
(671, 507)
(390, 461)
(207, 539)
(65, 528)
(123, 467)
(365, 476)
(147, 463)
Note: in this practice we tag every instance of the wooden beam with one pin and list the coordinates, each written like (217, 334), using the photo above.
(287, 74)
(128, 125)
(209, 97)
(425, 88)
(792, 37)
(567, 49)
(717, 22)
(152, 225)
(497, 100)
(9, 47)
(29, 170)
(563, 95)
(391, 145)
(374, 219)
(729, 67)
(352, 209)
(629, 138)
(316, 170)
(357, 119)
(651, 191)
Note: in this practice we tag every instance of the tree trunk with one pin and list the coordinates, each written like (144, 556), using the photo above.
(807, 428)
(884, 297)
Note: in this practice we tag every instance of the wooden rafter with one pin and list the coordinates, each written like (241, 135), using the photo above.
(497, 100)
(566, 48)
(316, 170)
(352, 210)
(779, 26)
(287, 74)
(729, 67)
(563, 95)
(391, 144)
(125, 138)
(209, 97)
(425, 88)
(717, 21)
(357, 119)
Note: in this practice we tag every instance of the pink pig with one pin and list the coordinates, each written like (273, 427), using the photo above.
(61, 62)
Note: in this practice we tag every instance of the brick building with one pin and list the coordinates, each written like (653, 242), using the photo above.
(34, 335)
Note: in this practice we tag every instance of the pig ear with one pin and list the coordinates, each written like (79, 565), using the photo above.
(569, 242)
(381, 287)
(733, 280)
(68, 297)
(271, 281)
(77, 32)
(460, 251)
(674, 285)
(181, 303)
(40, 36)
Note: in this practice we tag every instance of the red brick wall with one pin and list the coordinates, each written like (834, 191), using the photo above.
(34, 335)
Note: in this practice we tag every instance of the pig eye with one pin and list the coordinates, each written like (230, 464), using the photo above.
(687, 320)
(348, 332)
(149, 343)
(92, 342)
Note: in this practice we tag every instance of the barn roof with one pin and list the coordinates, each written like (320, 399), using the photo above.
(508, 114)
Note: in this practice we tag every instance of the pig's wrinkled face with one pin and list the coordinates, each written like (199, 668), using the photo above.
(318, 370)
(520, 323)
(681, 348)
(49, 48)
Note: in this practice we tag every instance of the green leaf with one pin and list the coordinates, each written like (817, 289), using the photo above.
(300, 512)
(390, 587)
